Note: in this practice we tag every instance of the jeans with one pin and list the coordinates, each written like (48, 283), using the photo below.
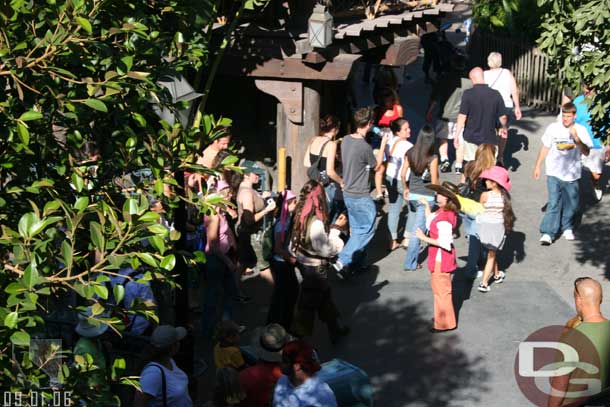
(361, 213)
(417, 219)
(562, 205)
(218, 278)
(335, 204)
(395, 195)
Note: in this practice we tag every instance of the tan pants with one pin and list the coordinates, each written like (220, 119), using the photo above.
(444, 314)
(470, 151)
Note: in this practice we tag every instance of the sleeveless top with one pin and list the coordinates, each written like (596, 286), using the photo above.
(226, 240)
(493, 209)
(313, 157)
(259, 205)
(500, 80)
(448, 258)
(417, 185)
(385, 121)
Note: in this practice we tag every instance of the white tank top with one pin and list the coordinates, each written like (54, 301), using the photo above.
(500, 80)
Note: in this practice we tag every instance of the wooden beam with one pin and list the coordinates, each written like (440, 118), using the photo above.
(289, 94)
(336, 70)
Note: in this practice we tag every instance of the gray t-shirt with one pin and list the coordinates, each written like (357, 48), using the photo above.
(358, 163)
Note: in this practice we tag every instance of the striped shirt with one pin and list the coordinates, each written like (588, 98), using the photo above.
(493, 208)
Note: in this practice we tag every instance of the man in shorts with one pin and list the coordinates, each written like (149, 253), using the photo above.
(480, 111)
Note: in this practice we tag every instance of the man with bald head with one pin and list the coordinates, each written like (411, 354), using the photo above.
(592, 329)
(482, 115)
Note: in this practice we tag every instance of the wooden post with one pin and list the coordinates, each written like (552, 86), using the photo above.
(298, 136)
(281, 169)
(298, 120)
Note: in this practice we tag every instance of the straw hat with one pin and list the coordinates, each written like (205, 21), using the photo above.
(269, 341)
(447, 189)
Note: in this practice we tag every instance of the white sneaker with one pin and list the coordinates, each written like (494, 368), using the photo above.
(568, 234)
(480, 274)
(598, 193)
(546, 240)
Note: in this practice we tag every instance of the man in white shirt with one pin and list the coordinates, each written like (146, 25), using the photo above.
(562, 145)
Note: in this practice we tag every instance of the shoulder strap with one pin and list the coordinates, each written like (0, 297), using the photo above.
(498, 77)
(317, 163)
(163, 384)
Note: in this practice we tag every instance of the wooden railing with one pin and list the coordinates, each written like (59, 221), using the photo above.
(527, 63)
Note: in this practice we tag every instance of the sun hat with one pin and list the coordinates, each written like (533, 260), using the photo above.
(91, 328)
(499, 175)
(222, 184)
(447, 189)
(166, 335)
(268, 342)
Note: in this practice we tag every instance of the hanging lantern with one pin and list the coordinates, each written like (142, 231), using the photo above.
(320, 27)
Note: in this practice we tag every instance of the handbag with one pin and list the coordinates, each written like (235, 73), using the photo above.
(466, 190)
(314, 173)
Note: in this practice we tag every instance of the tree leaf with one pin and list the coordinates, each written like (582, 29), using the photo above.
(10, 321)
(101, 291)
(96, 104)
(30, 115)
(97, 236)
(25, 224)
(97, 309)
(30, 276)
(78, 182)
(66, 252)
(149, 217)
(23, 133)
(168, 262)
(83, 22)
(81, 203)
(148, 259)
(20, 338)
(119, 292)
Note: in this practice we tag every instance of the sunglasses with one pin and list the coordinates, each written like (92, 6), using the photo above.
(578, 281)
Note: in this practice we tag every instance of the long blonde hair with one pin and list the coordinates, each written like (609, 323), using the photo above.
(484, 158)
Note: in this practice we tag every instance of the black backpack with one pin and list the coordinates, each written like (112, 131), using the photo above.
(314, 173)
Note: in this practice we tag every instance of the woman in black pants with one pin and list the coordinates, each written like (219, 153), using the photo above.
(315, 242)
(286, 287)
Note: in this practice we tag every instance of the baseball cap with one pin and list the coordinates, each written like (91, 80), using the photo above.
(166, 335)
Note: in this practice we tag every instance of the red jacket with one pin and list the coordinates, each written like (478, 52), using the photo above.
(448, 258)
(258, 382)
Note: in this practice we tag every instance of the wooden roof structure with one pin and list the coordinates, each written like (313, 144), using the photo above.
(286, 53)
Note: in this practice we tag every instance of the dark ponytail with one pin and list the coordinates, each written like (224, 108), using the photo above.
(507, 212)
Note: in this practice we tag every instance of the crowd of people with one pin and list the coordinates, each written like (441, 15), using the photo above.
(295, 239)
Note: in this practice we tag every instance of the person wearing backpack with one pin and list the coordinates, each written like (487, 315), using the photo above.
(443, 109)
(321, 159)
(162, 382)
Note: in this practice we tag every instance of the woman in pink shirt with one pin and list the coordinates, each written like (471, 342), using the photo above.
(220, 264)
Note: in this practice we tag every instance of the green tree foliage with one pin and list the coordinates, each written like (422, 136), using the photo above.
(520, 18)
(576, 37)
(82, 155)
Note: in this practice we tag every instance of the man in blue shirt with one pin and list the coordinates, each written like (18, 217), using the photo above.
(596, 158)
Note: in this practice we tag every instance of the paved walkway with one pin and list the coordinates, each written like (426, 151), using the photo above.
(390, 310)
